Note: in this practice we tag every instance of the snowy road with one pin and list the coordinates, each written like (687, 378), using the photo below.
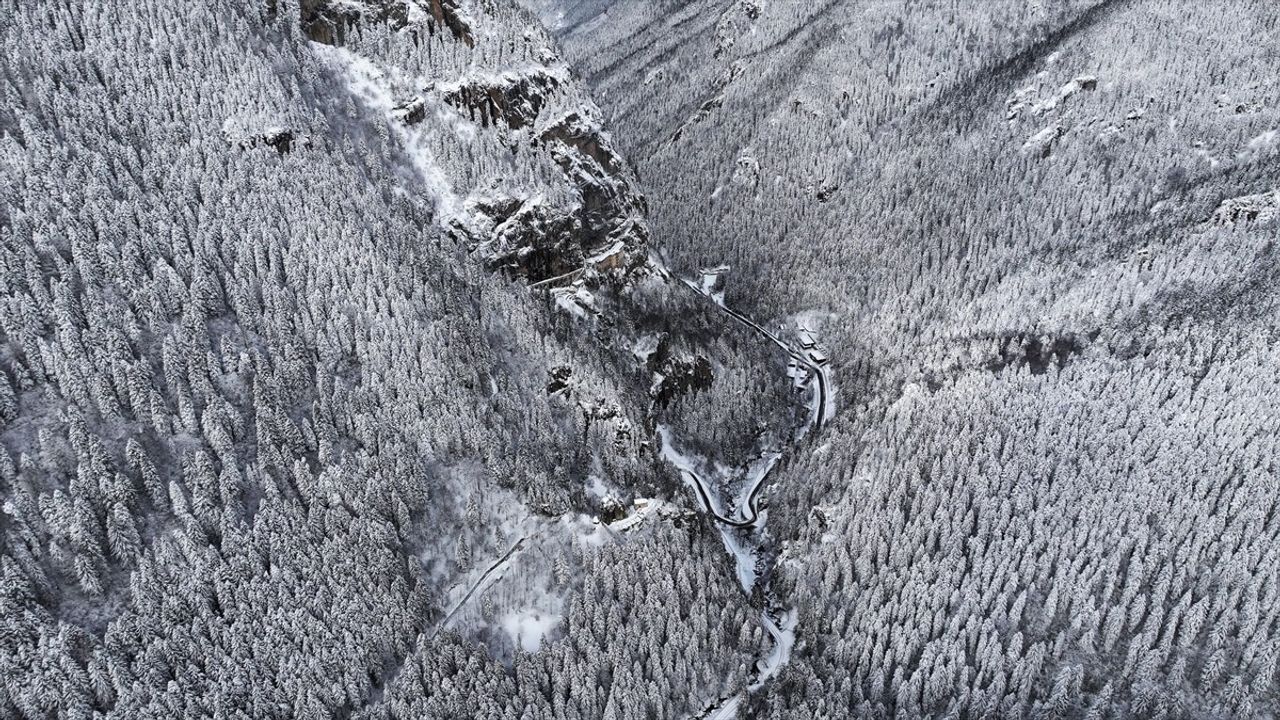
(780, 623)
(749, 511)
(822, 405)
(478, 584)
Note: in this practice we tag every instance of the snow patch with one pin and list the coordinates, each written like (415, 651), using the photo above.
(1266, 140)
(576, 299)
(783, 632)
(712, 283)
(528, 627)
(1042, 141)
(374, 87)
(645, 346)
(596, 487)
(728, 710)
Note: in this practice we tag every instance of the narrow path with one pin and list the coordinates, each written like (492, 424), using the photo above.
(477, 584)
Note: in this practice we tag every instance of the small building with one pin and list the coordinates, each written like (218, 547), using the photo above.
(818, 357)
(801, 381)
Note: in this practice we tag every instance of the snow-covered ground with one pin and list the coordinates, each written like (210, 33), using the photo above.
(376, 88)
(744, 545)
(528, 628)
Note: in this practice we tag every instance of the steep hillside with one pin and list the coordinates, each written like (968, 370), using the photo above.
(330, 348)
(1038, 240)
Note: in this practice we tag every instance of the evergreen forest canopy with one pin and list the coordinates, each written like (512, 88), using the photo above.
(639, 359)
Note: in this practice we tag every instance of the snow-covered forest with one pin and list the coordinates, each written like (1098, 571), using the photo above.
(1042, 239)
(639, 359)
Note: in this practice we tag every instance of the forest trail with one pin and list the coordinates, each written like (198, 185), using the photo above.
(478, 584)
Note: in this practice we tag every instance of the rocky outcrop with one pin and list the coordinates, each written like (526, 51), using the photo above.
(675, 374)
(446, 15)
(328, 21)
(558, 379)
(411, 112)
(680, 376)
(512, 101)
(827, 190)
(603, 236)
(734, 23)
(1041, 144)
(1248, 209)
(576, 132)
(530, 239)
(611, 209)
(280, 139)
(589, 227)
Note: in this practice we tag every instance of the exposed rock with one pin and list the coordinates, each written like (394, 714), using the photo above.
(612, 510)
(746, 171)
(735, 22)
(675, 375)
(819, 516)
(536, 242)
(578, 133)
(600, 234)
(411, 112)
(280, 139)
(1041, 143)
(679, 376)
(610, 210)
(328, 21)
(515, 101)
(1026, 99)
(541, 243)
(559, 375)
(827, 190)
(1248, 208)
(600, 409)
(446, 14)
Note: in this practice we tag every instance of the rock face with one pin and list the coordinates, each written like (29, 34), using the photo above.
(327, 21)
(681, 376)
(1248, 209)
(675, 374)
(514, 101)
(411, 112)
(281, 139)
(611, 209)
(554, 200)
(603, 234)
(532, 240)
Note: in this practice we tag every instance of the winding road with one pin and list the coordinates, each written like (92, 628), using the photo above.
(779, 623)
(818, 371)
(751, 513)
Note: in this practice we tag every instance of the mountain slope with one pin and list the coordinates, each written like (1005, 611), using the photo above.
(316, 362)
(1042, 239)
